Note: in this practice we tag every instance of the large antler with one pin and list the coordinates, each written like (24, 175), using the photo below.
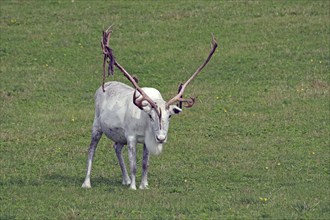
(107, 51)
(190, 102)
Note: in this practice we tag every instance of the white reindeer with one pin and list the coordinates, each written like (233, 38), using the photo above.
(129, 116)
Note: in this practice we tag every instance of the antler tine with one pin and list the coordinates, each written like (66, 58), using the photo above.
(107, 52)
(109, 29)
(191, 101)
(179, 90)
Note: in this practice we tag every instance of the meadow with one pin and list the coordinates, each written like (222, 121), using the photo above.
(254, 146)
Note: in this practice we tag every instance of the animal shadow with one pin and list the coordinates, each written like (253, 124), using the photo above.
(67, 181)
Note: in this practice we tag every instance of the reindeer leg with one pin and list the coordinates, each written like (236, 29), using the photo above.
(96, 136)
(132, 160)
(118, 148)
(145, 165)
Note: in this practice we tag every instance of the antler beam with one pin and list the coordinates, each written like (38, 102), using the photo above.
(107, 51)
(191, 101)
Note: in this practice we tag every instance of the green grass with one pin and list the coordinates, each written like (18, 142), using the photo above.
(256, 144)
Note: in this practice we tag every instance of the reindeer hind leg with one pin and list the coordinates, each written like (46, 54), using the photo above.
(118, 148)
(96, 136)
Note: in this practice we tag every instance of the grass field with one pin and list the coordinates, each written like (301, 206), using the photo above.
(255, 146)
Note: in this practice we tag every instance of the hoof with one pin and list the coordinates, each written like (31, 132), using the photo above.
(126, 182)
(132, 187)
(86, 186)
(144, 187)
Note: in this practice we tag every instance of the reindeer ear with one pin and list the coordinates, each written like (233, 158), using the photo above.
(174, 109)
(144, 105)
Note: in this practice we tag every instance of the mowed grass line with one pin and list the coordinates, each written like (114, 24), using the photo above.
(256, 144)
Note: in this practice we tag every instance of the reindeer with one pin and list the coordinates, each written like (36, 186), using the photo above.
(130, 116)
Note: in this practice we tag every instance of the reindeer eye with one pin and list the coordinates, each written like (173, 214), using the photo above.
(170, 116)
(151, 118)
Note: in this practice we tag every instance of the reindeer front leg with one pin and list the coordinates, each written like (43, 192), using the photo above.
(145, 165)
(131, 143)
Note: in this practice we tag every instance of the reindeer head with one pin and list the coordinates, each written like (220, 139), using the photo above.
(152, 103)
